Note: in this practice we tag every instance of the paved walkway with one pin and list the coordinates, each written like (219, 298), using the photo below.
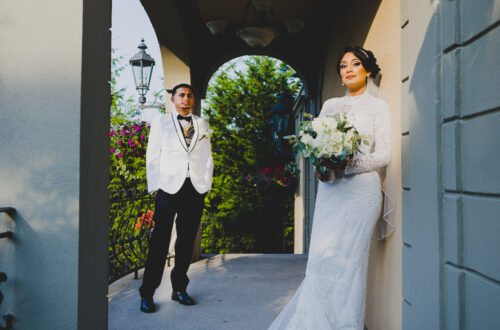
(232, 291)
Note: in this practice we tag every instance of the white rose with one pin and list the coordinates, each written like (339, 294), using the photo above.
(307, 139)
(349, 138)
(338, 150)
(317, 125)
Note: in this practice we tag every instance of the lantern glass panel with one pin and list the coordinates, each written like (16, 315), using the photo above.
(142, 77)
(137, 70)
(147, 71)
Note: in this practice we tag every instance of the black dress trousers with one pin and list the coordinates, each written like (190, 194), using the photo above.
(187, 203)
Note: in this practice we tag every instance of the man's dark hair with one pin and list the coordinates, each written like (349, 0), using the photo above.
(174, 90)
(365, 56)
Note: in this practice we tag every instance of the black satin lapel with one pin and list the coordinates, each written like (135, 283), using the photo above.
(178, 129)
(195, 135)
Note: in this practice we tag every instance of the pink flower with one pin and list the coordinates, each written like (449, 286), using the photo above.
(142, 137)
(133, 144)
(112, 150)
(131, 133)
(137, 128)
(129, 141)
(119, 142)
(119, 155)
(113, 132)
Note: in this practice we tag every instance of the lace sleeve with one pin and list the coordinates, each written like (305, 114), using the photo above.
(381, 154)
(328, 108)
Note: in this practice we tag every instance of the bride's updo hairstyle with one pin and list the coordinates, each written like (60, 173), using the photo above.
(365, 56)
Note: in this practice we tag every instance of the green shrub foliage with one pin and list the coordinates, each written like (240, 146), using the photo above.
(250, 206)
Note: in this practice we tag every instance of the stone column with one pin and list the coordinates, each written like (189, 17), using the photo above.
(54, 116)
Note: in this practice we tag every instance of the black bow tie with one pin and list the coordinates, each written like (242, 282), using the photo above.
(179, 117)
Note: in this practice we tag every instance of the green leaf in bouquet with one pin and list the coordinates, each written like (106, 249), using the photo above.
(308, 115)
(341, 126)
(366, 142)
(303, 125)
(312, 159)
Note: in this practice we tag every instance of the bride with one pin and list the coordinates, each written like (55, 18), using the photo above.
(332, 294)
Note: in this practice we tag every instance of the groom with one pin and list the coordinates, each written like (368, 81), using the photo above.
(179, 169)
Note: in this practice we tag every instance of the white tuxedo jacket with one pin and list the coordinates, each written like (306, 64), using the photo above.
(168, 157)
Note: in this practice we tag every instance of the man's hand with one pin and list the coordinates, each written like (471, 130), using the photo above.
(154, 194)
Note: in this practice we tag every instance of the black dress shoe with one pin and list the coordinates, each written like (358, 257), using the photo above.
(182, 297)
(147, 305)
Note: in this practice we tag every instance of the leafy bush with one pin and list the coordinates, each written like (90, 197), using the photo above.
(240, 215)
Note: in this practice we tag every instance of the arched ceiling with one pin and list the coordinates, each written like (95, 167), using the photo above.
(233, 10)
(181, 27)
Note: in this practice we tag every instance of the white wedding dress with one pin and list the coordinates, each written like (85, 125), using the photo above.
(332, 294)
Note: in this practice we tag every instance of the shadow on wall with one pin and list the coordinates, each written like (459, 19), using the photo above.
(451, 79)
(45, 238)
(420, 160)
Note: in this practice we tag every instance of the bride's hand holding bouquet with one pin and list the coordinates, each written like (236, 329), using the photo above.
(330, 175)
(327, 142)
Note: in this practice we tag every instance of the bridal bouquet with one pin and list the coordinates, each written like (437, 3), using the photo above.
(326, 142)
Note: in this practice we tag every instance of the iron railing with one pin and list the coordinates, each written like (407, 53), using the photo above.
(131, 224)
(8, 318)
(130, 227)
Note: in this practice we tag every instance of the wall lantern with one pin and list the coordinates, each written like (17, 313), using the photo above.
(142, 67)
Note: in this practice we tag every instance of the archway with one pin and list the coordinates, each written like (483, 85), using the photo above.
(250, 107)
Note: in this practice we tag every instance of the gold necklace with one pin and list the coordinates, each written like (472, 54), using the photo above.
(186, 128)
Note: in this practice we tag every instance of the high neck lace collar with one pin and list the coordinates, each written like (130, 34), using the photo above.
(357, 97)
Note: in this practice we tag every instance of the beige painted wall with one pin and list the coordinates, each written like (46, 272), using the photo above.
(298, 233)
(174, 72)
(384, 294)
(382, 36)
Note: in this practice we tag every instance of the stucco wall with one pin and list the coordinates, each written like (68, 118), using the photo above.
(378, 31)
(450, 164)
(469, 120)
(384, 280)
(54, 114)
